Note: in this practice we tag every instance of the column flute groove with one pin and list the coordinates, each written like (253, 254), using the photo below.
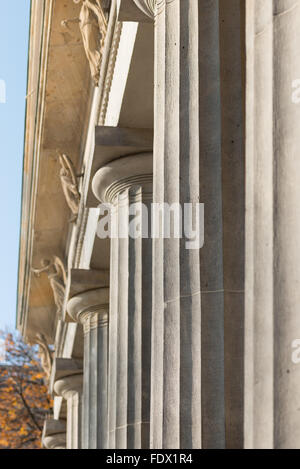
(211, 254)
(232, 57)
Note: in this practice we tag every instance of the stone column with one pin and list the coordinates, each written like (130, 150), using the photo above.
(176, 330)
(259, 344)
(91, 310)
(126, 184)
(273, 225)
(176, 321)
(70, 388)
(286, 62)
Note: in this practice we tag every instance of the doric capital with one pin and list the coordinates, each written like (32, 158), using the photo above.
(82, 280)
(122, 174)
(68, 386)
(90, 308)
(55, 441)
(63, 368)
(54, 434)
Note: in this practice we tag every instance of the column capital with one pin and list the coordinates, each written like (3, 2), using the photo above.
(68, 386)
(123, 174)
(83, 280)
(54, 434)
(63, 367)
(90, 308)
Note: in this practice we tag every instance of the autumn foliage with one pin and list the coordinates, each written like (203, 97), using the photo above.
(24, 399)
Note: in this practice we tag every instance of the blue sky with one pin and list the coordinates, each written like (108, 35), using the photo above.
(14, 33)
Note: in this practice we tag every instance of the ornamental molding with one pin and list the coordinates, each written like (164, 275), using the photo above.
(114, 47)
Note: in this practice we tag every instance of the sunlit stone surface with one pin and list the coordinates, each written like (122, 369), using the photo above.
(157, 345)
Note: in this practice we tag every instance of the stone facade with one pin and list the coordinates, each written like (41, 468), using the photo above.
(142, 102)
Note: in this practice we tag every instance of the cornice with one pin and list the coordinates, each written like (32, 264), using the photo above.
(41, 14)
(48, 42)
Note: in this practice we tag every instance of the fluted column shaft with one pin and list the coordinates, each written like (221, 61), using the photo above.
(273, 226)
(91, 309)
(127, 185)
(70, 388)
(259, 345)
(176, 333)
(286, 59)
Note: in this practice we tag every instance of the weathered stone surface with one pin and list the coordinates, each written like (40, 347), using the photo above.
(197, 102)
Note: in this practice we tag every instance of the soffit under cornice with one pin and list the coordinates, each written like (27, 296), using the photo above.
(56, 119)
